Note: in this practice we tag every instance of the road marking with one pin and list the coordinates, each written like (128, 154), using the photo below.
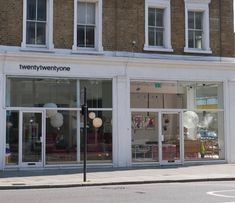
(218, 193)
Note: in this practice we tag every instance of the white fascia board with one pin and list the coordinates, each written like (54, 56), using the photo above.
(117, 61)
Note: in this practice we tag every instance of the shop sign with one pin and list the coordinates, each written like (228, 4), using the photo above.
(44, 68)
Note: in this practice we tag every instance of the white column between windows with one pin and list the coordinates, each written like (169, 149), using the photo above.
(23, 43)
(75, 7)
(50, 44)
(2, 124)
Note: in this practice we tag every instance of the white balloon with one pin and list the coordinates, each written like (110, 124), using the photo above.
(190, 119)
(52, 112)
(57, 120)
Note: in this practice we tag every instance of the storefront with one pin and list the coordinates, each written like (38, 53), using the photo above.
(153, 111)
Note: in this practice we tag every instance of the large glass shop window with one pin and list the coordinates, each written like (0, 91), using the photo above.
(61, 100)
(201, 105)
(38, 92)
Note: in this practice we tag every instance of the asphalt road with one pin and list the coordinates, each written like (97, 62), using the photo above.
(203, 192)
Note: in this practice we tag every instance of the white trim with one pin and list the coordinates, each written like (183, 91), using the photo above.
(98, 29)
(197, 51)
(162, 4)
(198, 6)
(49, 30)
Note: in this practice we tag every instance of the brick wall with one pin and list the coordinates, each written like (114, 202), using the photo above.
(123, 22)
(11, 22)
(63, 23)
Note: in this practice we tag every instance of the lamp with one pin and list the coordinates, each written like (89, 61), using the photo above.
(97, 122)
(92, 115)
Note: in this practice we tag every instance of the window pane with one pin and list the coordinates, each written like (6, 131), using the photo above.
(91, 13)
(81, 36)
(32, 92)
(41, 10)
(198, 20)
(206, 139)
(151, 37)
(191, 39)
(159, 37)
(99, 93)
(151, 17)
(144, 136)
(198, 39)
(12, 138)
(31, 9)
(90, 36)
(61, 138)
(209, 95)
(158, 95)
(191, 20)
(99, 140)
(81, 13)
(30, 34)
(41, 33)
(159, 17)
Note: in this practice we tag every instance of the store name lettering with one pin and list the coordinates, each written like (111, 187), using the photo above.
(44, 68)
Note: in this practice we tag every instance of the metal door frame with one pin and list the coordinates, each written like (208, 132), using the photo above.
(31, 164)
(160, 124)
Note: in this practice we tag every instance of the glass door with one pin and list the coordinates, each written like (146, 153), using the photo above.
(31, 139)
(170, 138)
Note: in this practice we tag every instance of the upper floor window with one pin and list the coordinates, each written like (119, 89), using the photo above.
(37, 24)
(157, 25)
(195, 29)
(197, 35)
(87, 25)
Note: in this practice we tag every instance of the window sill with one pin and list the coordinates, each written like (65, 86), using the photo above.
(161, 49)
(37, 49)
(87, 51)
(197, 51)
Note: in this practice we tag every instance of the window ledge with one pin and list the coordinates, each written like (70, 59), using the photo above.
(87, 51)
(37, 49)
(161, 49)
(197, 51)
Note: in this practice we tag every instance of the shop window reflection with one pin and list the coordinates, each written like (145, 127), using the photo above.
(61, 138)
(206, 139)
(99, 140)
(12, 138)
(144, 137)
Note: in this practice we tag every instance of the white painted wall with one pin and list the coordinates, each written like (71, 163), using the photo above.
(122, 70)
(2, 123)
(122, 142)
(231, 120)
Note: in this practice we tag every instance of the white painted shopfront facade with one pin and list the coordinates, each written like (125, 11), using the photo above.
(143, 103)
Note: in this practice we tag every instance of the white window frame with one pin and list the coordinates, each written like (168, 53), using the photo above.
(49, 46)
(98, 29)
(198, 6)
(160, 4)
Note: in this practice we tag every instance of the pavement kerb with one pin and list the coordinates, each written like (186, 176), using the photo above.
(89, 184)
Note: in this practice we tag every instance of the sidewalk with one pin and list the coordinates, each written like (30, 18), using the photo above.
(49, 178)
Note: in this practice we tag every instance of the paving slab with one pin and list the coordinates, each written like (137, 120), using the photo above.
(48, 178)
